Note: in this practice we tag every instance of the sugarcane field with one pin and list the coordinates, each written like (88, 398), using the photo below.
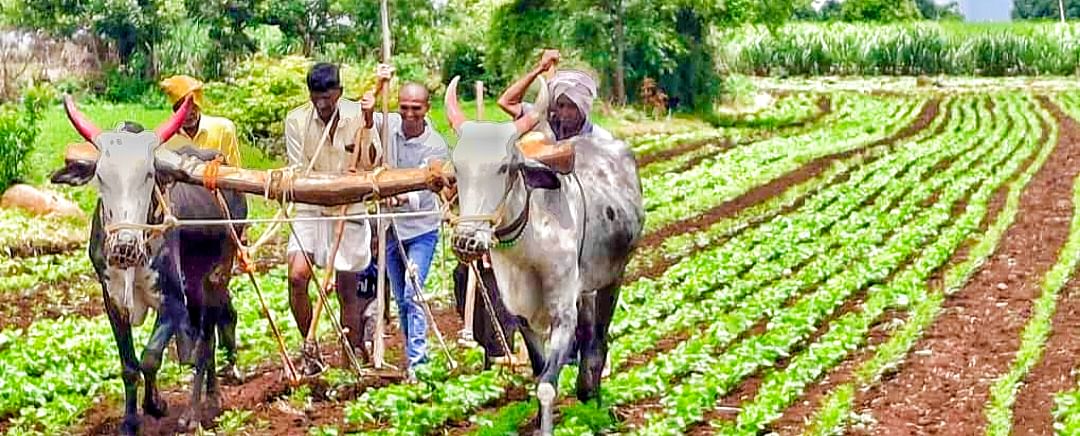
(549, 217)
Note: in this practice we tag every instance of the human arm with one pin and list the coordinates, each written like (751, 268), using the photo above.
(294, 144)
(510, 100)
(383, 74)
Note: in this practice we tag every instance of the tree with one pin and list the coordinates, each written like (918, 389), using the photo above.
(1044, 9)
(884, 11)
(931, 10)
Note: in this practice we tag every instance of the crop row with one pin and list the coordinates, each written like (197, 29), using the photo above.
(735, 171)
(836, 407)
(718, 375)
(848, 333)
(1067, 404)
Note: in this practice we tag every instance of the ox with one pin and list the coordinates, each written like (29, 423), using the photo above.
(182, 273)
(559, 241)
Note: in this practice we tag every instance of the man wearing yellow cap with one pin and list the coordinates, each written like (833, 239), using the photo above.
(204, 131)
(219, 134)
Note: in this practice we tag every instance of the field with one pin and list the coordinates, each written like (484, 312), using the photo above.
(839, 262)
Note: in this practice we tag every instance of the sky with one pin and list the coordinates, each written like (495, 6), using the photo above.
(986, 10)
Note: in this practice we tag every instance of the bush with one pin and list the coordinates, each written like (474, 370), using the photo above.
(467, 60)
(261, 91)
(18, 130)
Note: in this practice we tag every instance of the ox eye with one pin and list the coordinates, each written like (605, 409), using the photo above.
(503, 168)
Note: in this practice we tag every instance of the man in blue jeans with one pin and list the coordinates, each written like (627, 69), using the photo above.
(412, 143)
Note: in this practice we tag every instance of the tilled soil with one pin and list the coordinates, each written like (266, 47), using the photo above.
(1054, 373)
(263, 392)
(942, 388)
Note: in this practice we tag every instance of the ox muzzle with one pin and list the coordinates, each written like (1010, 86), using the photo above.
(472, 239)
(127, 249)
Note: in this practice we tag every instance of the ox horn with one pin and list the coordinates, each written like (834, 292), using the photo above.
(169, 128)
(528, 121)
(83, 125)
(453, 107)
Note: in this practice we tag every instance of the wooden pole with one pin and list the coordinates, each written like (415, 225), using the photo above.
(479, 100)
(380, 296)
(1061, 10)
(470, 306)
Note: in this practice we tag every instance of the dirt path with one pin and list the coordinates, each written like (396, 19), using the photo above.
(1054, 373)
(942, 387)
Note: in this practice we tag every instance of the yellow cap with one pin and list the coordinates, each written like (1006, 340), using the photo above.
(178, 87)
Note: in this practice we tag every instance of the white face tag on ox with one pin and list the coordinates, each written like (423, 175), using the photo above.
(134, 292)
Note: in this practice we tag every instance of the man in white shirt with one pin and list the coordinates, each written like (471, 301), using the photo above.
(321, 134)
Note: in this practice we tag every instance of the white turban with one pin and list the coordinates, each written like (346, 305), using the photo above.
(578, 86)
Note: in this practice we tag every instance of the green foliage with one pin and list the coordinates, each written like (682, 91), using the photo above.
(931, 10)
(884, 11)
(1035, 9)
(903, 49)
(18, 131)
(261, 91)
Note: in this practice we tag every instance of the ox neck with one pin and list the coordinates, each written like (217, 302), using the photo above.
(515, 215)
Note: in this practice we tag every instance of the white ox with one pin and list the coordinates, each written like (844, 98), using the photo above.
(559, 245)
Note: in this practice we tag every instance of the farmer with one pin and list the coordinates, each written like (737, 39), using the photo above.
(322, 134)
(218, 134)
(203, 131)
(572, 94)
(412, 142)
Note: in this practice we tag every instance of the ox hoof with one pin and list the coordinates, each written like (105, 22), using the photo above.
(231, 375)
(155, 407)
(130, 425)
(545, 392)
(189, 420)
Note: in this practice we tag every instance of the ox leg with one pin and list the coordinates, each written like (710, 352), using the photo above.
(594, 317)
(204, 350)
(563, 327)
(129, 367)
(534, 344)
(226, 319)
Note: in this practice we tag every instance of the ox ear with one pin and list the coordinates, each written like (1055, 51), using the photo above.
(539, 176)
(75, 173)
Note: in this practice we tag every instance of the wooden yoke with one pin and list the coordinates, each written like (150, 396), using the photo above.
(326, 189)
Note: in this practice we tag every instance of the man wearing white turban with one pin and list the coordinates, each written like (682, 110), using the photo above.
(572, 93)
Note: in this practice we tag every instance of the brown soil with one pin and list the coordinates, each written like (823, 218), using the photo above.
(35, 247)
(1054, 372)
(794, 419)
(78, 296)
(943, 386)
(681, 149)
(264, 390)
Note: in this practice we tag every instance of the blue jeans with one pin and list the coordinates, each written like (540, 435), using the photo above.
(421, 250)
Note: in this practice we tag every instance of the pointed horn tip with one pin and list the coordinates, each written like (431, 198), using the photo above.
(167, 129)
(81, 124)
(453, 107)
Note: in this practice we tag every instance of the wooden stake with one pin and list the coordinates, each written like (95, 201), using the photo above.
(470, 305)
(479, 100)
(379, 345)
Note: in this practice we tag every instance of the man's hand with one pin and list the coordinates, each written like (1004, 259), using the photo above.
(397, 200)
(548, 60)
(367, 102)
(383, 72)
